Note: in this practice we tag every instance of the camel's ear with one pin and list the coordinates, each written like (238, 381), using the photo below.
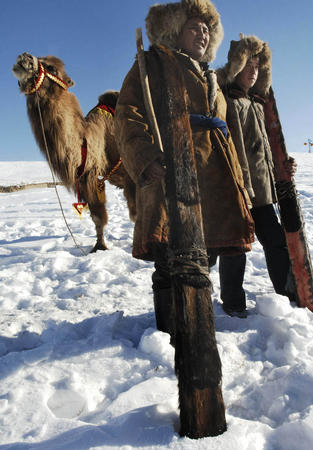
(70, 82)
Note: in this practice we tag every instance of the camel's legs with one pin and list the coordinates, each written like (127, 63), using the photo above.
(99, 216)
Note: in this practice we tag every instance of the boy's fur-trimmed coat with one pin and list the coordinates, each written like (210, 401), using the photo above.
(245, 117)
(226, 219)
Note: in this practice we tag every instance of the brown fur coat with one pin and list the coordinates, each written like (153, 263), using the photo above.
(226, 219)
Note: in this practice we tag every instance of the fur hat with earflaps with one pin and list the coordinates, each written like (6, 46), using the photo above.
(165, 22)
(239, 54)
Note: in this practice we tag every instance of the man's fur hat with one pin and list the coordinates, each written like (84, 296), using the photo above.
(239, 53)
(165, 22)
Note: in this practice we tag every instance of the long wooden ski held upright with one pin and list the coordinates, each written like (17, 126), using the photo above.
(197, 362)
(290, 209)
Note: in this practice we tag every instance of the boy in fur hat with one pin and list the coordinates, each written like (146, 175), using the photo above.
(245, 80)
(190, 31)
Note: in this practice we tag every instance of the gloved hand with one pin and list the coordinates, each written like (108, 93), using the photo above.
(208, 122)
(291, 165)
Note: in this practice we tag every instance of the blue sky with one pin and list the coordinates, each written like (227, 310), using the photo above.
(96, 40)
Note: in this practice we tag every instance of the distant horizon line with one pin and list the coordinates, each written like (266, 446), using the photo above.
(44, 160)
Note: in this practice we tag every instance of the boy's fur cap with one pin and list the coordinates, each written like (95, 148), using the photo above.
(239, 53)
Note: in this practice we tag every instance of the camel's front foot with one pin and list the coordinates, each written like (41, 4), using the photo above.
(99, 246)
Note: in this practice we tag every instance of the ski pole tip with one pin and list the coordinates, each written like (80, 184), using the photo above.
(138, 33)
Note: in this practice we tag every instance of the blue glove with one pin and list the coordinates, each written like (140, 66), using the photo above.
(208, 122)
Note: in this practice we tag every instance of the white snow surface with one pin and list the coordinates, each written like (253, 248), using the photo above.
(82, 365)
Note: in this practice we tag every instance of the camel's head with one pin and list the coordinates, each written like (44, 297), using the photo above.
(34, 73)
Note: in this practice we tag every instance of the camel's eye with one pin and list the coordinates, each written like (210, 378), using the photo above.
(51, 69)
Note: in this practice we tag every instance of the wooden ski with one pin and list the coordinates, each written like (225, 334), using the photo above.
(197, 362)
(289, 207)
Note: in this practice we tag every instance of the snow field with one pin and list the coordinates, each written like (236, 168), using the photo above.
(82, 365)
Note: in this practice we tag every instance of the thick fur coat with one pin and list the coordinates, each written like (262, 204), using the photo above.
(226, 219)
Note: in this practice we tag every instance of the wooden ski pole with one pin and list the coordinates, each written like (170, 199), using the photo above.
(289, 208)
(197, 363)
(146, 89)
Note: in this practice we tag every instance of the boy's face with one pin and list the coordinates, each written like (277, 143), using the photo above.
(194, 38)
(248, 76)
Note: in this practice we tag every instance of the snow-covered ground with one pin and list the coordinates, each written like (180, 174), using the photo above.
(82, 365)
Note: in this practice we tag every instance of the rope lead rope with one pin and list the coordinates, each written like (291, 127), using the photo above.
(53, 177)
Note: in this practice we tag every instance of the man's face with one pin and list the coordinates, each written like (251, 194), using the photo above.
(248, 76)
(194, 38)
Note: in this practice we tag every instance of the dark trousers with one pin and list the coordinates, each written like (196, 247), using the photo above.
(161, 276)
(272, 238)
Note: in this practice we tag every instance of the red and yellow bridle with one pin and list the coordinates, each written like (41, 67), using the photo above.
(43, 73)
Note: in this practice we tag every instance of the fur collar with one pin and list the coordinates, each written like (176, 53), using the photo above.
(238, 55)
(165, 22)
(205, 73)
(234, 91)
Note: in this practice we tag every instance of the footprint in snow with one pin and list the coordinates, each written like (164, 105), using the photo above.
(66, 404)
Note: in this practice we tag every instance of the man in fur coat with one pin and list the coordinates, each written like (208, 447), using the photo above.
(245, 80)
(191, 32)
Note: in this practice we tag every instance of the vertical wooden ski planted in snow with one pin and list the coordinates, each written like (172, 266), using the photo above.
(290, 209)
(197, 362)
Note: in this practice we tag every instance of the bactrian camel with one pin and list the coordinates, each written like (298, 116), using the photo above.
(81, 149)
